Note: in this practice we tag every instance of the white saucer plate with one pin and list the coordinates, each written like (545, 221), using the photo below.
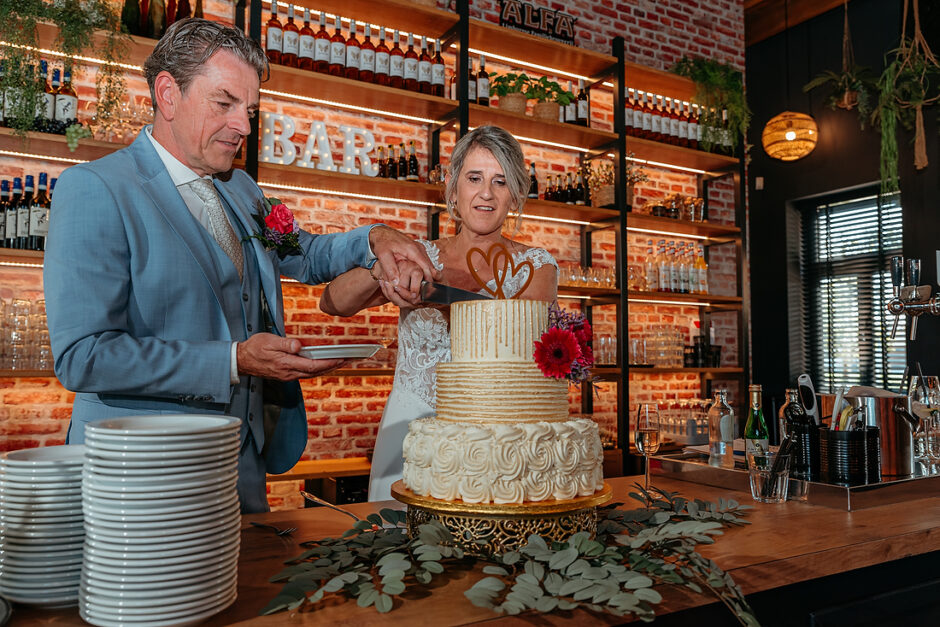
(164, 424)
(173, 578)
(121, 567)
(229, 527)
(340, 351)
(185, 619)
(150, 533)
(44, 457)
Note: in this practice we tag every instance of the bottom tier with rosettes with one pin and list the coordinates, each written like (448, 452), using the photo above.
(503, 463)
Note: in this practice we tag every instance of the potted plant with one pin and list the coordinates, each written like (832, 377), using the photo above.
(511, 89)
(601, 182)
(549, 97)
(718, 87)
(852, 87)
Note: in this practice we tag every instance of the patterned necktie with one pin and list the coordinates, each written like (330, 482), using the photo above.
(220, 227)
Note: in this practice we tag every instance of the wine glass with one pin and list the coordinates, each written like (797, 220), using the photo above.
(647, 433)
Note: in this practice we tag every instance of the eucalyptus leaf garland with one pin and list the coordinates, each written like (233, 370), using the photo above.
(376, 562)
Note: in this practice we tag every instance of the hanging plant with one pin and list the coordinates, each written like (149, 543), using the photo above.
(77, 21)
(718, 87)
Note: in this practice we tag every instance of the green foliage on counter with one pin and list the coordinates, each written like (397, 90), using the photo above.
(634, 551)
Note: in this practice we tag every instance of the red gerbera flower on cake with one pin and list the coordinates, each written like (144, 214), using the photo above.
(556, 352)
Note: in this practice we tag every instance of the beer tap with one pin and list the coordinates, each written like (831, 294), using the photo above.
(911, 299)
(913, 280)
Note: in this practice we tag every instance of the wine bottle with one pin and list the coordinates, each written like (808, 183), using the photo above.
(755, 432)
(4, 202)
(721, 432)
(664, 271)
(380, 161)
(701, 271)
(438, 71)
(650, 269)
(792, 413)
(471, 84)
(183, 10)
(584, 107)
(571, 109)
(695, 129)
(305, 44)
(561, 194)
(570, 195)
(483, 84)
(628, 109)
(392, 169)
(22, 215)
(533, 183)
(646, 114)
(381, 60)
(197, 12)
(402, 163)
(424, 67)
(410, 65)
(337, 49)
(549, 189)
(674, 118)
(274, 38)
(579, 195)
(130, 16)
(396, 63)
(66, 102)
(47, 121)
(3, 101)
(683, 125)
(412, 164)
(170, 14)
(11, 212)
(367, 57)
(321, 47)
(352, 53)
(290, 40)
(39, 215)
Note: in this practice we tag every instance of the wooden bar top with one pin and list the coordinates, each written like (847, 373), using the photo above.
(784, 544)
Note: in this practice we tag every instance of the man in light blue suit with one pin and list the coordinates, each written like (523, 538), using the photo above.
(158, 299)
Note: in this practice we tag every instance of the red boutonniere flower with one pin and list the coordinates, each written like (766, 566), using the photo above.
(279, 230)
(564, 350)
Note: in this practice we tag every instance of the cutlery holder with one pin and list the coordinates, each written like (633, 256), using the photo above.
(804, 459)
(850, 457)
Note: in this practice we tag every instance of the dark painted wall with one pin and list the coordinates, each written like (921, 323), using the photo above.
(845, 157)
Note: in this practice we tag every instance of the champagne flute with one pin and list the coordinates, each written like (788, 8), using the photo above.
(647, 434)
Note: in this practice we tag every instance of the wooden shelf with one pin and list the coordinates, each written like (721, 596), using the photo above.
(702, 371)
(715, 233)
(362, 372)
(658, 82)
(9, 256)
(712, 301)
(506, 42)
(679, 156)
(49, 145)
(564, 211)
(607, 373)
(596, 295)
(392, 14)
(137, 52)
(271, 173)
(6, 373)
(523, 125)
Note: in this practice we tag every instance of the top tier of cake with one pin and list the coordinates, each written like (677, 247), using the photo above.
(496, 330)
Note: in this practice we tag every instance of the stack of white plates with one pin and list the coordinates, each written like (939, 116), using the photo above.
(162, 519)
(41, 530)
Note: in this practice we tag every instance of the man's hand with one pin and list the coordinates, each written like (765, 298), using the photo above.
(275, 357)
(406, 291)
(393, 249)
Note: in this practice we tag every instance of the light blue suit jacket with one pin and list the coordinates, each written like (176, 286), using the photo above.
(142, 313)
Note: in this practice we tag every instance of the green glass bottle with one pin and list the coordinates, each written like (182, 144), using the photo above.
(756, 434)
(130, 16)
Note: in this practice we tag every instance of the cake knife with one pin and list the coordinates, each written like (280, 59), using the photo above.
(445, 294)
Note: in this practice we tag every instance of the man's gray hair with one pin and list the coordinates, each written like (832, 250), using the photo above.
(508, 153)
(188, 44)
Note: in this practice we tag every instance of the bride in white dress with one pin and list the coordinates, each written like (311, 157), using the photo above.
(487, 178)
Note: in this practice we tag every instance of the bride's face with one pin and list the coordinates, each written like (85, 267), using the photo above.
(483, 198)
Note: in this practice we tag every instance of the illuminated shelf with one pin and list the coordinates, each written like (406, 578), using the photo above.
(514, 44)
(704, 371)
(424, 193)
(564, 211)
(712, 301)
(599, 295)
(715, 233)
(527, 126)
(668, 154)
(12, 256)
(401, 14)
(658, 82)
(50, 145)
(138, 50)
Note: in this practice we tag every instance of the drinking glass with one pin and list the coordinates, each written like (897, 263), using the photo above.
(769, 475)
(647, 433)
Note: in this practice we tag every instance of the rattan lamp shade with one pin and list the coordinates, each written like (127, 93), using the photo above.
(789, 136)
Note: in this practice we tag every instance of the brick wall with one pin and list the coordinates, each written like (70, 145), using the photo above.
(344, 412)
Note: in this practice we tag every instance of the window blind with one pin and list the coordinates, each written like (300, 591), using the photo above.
(847, 244)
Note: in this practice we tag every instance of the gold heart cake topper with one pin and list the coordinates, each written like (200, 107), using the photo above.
(503, 266)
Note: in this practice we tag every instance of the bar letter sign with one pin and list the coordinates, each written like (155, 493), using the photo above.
(537, 20)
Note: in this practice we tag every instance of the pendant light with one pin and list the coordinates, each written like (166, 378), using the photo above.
(790, 135)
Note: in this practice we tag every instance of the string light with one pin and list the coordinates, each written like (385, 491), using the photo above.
(669, 302)
(333, 192)
(30, 155)
(667, 233)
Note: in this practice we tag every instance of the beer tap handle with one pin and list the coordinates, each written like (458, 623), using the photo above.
(913, 272)
(897, 274)
(914, 328)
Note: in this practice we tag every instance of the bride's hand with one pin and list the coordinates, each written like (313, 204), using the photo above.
(405, 291)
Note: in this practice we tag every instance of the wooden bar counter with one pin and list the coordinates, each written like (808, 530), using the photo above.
(787, 546)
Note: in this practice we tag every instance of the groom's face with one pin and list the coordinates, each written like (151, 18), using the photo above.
(213, 115)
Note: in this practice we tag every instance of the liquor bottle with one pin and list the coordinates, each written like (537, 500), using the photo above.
(337, 49)
(571, 109)
(584, 106)
(52, 187)
(684, 269)
(424, 67)
(66, 101)
(197, 12)
(4, 202)
(274, 38)
(305, 44)
(755, 432)
(650, 268)
(471, 84)
(412, 163)
(579, 195)
(352, 53)
(396, 64)
(3, 103)
(170, 14)
(392, 169)
(533, 183)
(695, 129)
(383, 165)
(727, 142)
(402, 163)
(628, 112)
(453, 85)
(702, 271)
(683, 124)
(674, 137)
(646, 113)
(483, 84)
(47, 123)
(570, 196)
(550, 194)
(721, 432)
(11, 212)
(290, 40)
(438, 71)
(39, 216)
(790, 413)
(22, 214)
(381, 60)
(410, 65)
(367, 57)
(130, 16)
(561, 195)
(665, 272)
(183, 10)
(156, 19)
(321, 47)
(656, 122)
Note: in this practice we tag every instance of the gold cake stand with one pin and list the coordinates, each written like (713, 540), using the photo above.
(503, 527)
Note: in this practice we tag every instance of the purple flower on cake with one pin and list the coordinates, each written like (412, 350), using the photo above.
(564, 350)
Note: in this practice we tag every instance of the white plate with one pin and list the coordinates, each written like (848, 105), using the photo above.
(120, 567)
(41, 560)
(183, 593)
(53, 518)
(154, 455)
(220, 541)
(146, 609)
(146, 484)
(155, 495)
(196, 555)
(25, 497)
(42, 535)
(171, 532)
(340, 351)
(46, 602)
(45, 509)
(47, 515)
(33, 590)
(69, 472)
(44, 457)
(205, 460)
(95, 445)
(162, 579)
(166, 474)
(170, 509)
(205, 533)
(40, 526)
(184, 619)
(54, 483)
(164, 424)
(20, 575)
(37, 551)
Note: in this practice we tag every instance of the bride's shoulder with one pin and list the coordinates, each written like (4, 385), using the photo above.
(538, 256)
